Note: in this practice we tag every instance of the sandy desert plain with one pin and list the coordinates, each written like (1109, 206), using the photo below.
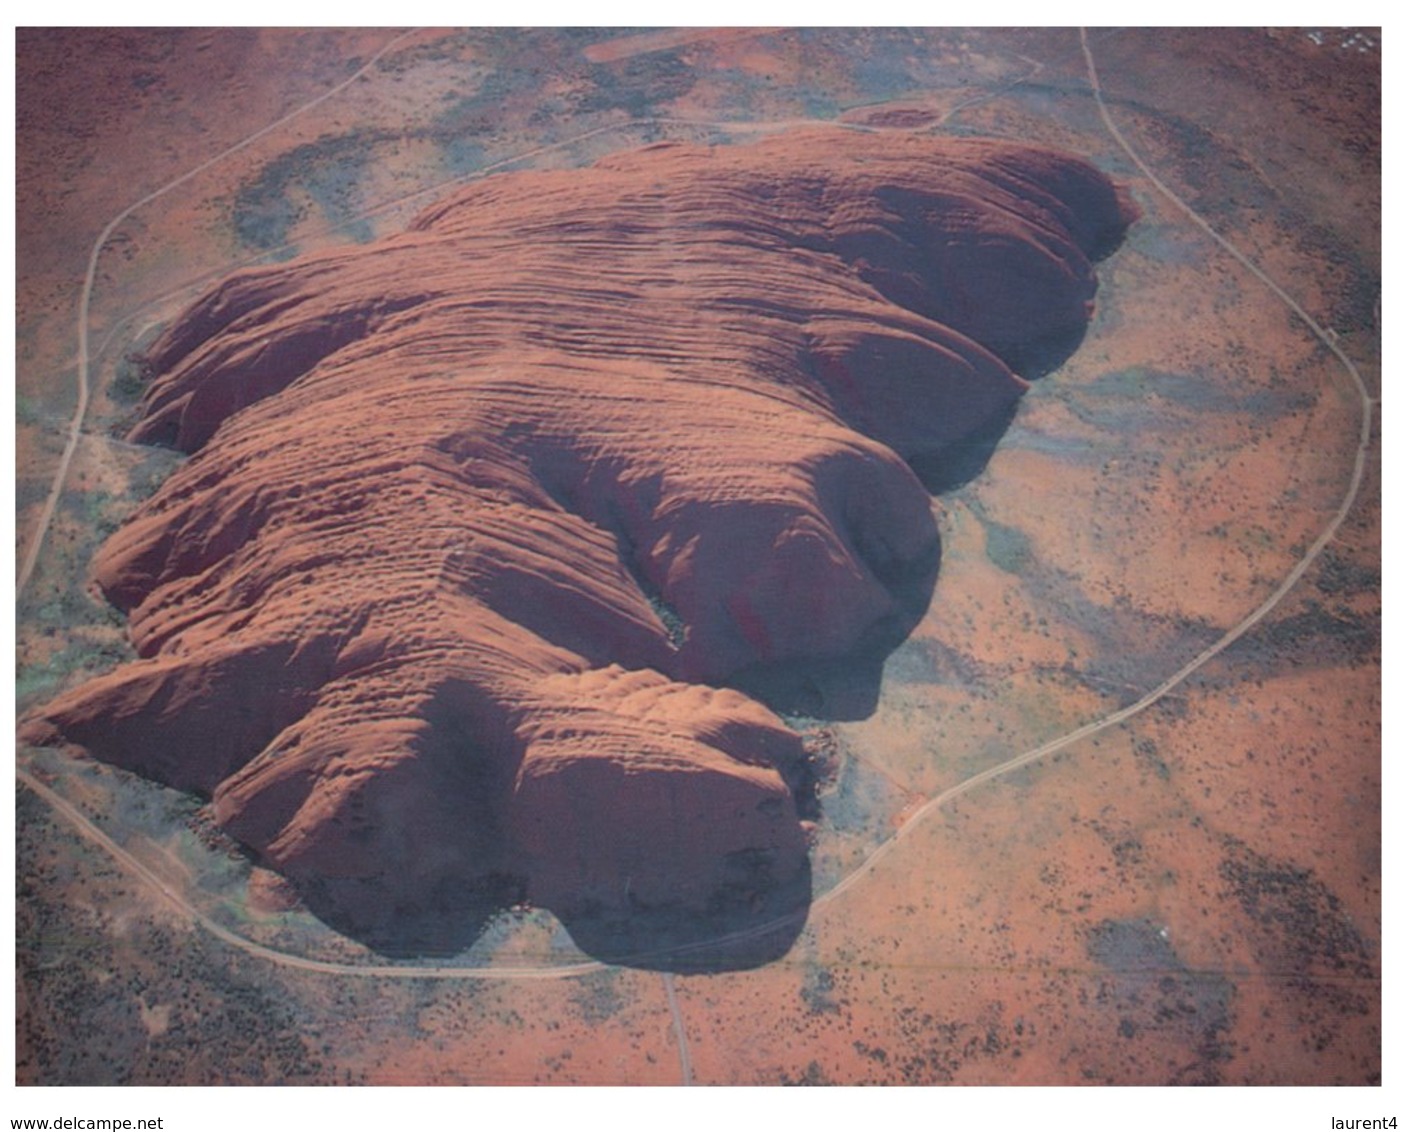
(1188, 895)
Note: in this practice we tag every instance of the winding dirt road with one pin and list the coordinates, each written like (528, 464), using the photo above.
(75, 429)
(686, 1069)
(90, 832)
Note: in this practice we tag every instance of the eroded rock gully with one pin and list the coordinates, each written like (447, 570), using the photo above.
(487, 523)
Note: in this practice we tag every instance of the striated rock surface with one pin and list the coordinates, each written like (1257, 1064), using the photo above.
(486, 523)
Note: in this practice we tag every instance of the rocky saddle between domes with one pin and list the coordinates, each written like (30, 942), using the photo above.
(491, 527)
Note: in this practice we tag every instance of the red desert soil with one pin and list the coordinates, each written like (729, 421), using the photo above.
(644, 43)
(483, 515)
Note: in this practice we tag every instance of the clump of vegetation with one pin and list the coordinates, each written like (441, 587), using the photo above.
(817, 988)
(26, 411)
(1313, 635)
(1147, 752)
(133, 375)
(673, 622)
(36, 681)
(1302, 931)
(640, 84)
(1310, 925)
(599, 996)
(814, 1074)
(1339, 575)
(328, 171)
(1131, 945)
(1008, 548)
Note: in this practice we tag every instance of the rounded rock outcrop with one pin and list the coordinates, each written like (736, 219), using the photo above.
(483, 520)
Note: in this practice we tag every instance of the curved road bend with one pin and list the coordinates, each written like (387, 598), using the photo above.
(1252, 619)
(75, 429)
(177, 900)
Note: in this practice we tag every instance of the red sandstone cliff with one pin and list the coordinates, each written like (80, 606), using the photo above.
(479, 517)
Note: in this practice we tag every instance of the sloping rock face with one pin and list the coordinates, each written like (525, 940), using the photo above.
(487, 522)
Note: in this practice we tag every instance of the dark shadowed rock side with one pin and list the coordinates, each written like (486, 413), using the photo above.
(488, 523)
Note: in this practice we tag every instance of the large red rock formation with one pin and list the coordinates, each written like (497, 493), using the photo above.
(482, 517)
